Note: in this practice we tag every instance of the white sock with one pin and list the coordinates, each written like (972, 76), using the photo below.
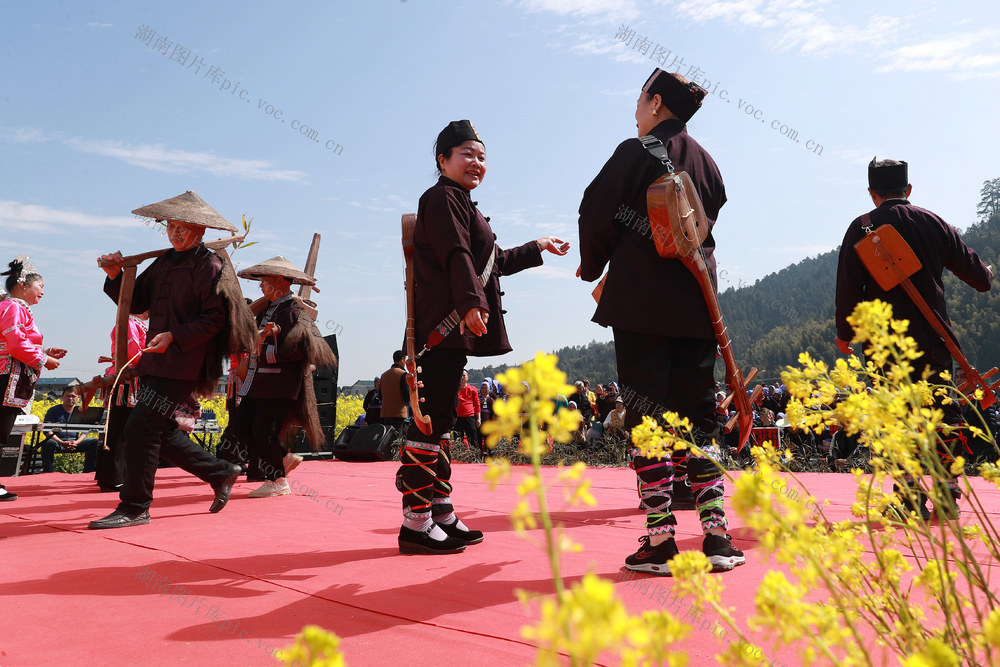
(436, 533)
(420, 525)
(457, 522)
(444, 518)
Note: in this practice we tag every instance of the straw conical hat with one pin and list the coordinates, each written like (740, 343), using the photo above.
(188, 207)
(277, 266)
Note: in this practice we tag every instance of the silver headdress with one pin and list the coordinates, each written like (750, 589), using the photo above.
(20, 268)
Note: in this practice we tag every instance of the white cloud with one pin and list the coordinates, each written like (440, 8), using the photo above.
(958, 53)
(24, 135)
(803, 25)
(589, 8)
(604, 45)
(159, 157)
(34, 218)
(798, 23)
(94, 24)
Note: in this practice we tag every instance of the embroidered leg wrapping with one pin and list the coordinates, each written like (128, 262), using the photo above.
(680, 460)
(707, 486)
(415, 479)
(441, 503)
(656, 479)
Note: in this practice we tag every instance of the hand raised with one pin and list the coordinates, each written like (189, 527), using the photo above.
(553, 244)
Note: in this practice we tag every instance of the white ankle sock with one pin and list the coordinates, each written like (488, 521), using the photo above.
(436, 533)
(457, 522)
(419, 525)
(444, 518)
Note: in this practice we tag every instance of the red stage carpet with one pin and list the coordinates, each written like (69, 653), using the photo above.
(231, 588)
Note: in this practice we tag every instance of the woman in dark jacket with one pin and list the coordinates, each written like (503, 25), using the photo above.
(457, 269)
(664, 338)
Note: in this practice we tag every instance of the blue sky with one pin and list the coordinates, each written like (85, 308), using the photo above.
(109, 106)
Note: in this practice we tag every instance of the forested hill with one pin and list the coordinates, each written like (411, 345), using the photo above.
(771, 321)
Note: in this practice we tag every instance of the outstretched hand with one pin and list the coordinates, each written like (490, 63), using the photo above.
(553, 244)
(844, 346)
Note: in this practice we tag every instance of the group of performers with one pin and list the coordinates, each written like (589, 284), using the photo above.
(664, 337)
(197, 316)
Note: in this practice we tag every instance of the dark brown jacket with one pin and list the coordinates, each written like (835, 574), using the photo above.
(179, 291)
(937, 245)
(644, 292)
(453, 242)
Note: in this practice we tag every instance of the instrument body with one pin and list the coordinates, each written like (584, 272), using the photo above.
(423, 422)
(891, 261)
(680, 226)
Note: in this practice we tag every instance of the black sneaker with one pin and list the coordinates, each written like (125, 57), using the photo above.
(6, 495)
(118, 519)
(949, 509)
(417, 542)
(909, 504)
(721, 553)
(654, 560)
(467, 536)
(682, 498)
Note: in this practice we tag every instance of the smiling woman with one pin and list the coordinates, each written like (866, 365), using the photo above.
(21, 354)
(456, 286)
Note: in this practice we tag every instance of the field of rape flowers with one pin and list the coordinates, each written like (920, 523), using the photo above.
(348, 410)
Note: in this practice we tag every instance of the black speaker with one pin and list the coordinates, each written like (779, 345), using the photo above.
(324, 373)
(326, 391)
(327, 415)
(325, 385)
(375, 442)
(347, 434)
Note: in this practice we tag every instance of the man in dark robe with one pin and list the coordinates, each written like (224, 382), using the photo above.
(277, 385)
(190, 330)
(938, 246)
(664, 340)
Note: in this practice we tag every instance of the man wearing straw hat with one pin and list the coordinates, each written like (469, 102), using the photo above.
(196, 316)
(277, 388)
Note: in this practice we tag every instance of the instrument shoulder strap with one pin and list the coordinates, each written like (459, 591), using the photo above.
(657, 150)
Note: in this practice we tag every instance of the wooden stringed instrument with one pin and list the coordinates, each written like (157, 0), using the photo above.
(423, 422)
(891, 261)
(679, 226)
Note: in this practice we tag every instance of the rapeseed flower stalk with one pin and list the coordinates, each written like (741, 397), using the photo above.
(314, 647)
(921, 589)
(883, 585)
(586, 619)
(936, 616)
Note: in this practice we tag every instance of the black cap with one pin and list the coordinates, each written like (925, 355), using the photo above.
(888, 177)
(457, 132)
(683, 99)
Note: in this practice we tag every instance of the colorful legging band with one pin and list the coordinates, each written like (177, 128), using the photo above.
(947, 448)
(656, 479)
(424, 478)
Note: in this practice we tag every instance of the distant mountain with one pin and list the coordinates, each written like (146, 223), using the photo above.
(771, 321)
(594, 362)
